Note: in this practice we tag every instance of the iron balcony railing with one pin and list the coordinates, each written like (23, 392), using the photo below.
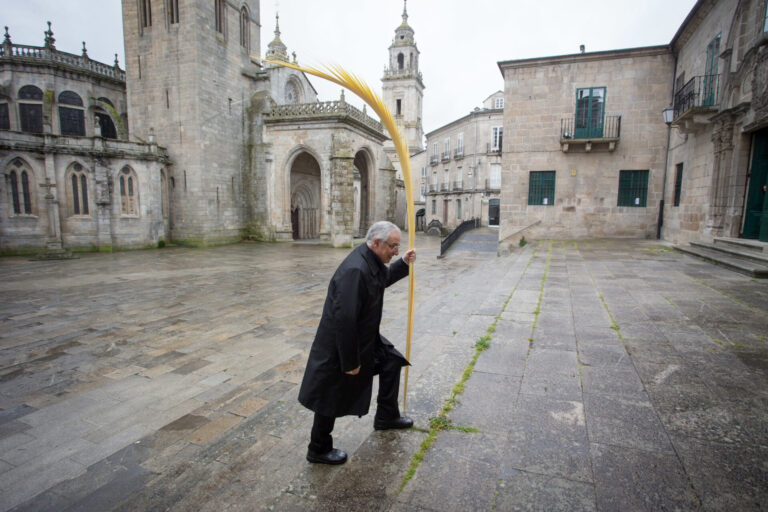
(446, 156)
(433, 187)
(433, 159)
(444, 187)
(607, 127)
(462, 228)
(457, 185)
(699, 91)
(458, 153)
(490, 148)
(492, 185)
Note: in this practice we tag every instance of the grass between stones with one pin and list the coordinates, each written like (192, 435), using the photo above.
(442, 421)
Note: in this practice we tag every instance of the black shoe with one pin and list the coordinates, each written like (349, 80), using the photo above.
(401, 422)
(332, 457)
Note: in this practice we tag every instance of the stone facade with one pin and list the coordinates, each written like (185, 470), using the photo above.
(462, 176)
(542, 134)
(719, 107)
(70, 177)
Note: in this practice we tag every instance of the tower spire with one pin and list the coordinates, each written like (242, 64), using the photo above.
(405, 12)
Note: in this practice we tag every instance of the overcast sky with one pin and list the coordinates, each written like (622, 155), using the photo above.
(460, 41)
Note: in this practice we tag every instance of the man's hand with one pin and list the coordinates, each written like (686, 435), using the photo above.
(353, 372)
(410, 256)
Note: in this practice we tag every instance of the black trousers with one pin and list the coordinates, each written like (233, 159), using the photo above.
(321, 440)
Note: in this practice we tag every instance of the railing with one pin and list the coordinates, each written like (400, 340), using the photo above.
(462, 228)
(446, 156)
(608, 127)
(699, 91)
(444, 187)
(53, 56)
(490, 148)
(457, 185)
(458, 153)
(492, 185)
(322, 109)
(433, 159)
(433, 187)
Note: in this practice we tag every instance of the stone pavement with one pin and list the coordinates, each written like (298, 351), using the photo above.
(620, 376)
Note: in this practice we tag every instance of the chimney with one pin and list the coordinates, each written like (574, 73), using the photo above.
(581, 48)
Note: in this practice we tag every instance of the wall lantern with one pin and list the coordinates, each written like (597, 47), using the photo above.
(669, 115)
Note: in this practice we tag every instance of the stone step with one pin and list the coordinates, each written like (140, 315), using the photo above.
(739, 264)
(743, 244)
(735, 250)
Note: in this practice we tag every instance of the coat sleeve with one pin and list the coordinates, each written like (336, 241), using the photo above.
(396, 271)
(347, 301)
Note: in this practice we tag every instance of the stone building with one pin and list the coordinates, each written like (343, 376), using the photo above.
(197, 142)
(717, 169)
(462, 178)
(587, 152)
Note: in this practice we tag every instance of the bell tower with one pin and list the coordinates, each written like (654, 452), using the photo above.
(402, 86)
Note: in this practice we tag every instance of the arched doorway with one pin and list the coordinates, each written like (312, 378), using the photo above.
(305, 197)
(363, 168)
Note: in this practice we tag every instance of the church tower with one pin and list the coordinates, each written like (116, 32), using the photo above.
(191, 69)
(402, 86)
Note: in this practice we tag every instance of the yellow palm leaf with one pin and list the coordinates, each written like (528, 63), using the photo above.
(340, 76)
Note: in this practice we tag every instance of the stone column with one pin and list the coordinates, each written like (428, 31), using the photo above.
(342, 197)
(103, 190)
(51, 202)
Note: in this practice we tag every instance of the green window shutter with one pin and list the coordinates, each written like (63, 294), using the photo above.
(541, 188)
(633, 188)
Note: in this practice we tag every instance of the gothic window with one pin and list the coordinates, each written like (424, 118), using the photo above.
(5, 118)
(291, 93)
(71, 118)
(219, 15)
(400, 61)
(245, 29)
(128, 191)
(145, 13)
(77, 190)
(172, 8)
(31, 109)
(20, 178)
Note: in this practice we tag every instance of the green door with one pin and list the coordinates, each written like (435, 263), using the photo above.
(710, 73)
(756, 218)
(590, 107)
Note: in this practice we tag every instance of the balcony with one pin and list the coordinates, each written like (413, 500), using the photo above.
(444, 187)
(433, 160)
(490, 149)
(695, 102)
(432, 188)
(457, 185)
(458, 153)
(601, 133)
(492, 185)
(446, 156)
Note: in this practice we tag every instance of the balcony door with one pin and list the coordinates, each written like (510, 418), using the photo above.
(590, 108)
(710, 72)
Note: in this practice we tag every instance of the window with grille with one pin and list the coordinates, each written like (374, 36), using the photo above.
(78, 190)
(633, 188)
(19, 177)
(128, 191)
(31, 109)
(173, 11)
(678, 183)
(219, 15)
(245, 29)
(541, 188)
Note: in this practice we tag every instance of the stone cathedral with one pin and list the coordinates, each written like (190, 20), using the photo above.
(196, 141)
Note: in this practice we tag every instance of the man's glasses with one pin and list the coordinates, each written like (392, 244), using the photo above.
(394, 247)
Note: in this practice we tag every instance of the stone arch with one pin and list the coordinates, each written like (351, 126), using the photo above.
(305, 178)
(364, 165)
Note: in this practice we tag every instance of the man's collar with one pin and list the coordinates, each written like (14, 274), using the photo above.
(373, 259)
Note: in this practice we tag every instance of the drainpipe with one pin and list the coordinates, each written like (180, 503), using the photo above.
(660, 221)
(474, 171)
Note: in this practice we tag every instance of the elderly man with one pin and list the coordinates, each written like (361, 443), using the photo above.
(349, 350)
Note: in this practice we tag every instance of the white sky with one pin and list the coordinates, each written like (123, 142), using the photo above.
(460, 41)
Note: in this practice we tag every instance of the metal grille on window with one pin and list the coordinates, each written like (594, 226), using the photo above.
(633, 188)
(541, 188)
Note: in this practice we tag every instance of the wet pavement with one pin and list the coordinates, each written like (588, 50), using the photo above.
(619, 376)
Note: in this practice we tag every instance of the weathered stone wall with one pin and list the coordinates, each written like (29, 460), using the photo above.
(539, 93)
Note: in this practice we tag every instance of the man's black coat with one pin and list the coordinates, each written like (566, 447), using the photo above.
(348, 337)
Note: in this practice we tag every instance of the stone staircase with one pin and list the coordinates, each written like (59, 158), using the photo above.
(749, 257)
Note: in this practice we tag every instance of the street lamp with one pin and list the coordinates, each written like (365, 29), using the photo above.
(668, 114)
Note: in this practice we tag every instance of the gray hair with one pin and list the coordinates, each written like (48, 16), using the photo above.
(381, 230)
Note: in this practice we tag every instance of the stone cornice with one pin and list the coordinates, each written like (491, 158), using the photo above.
(578, 58)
